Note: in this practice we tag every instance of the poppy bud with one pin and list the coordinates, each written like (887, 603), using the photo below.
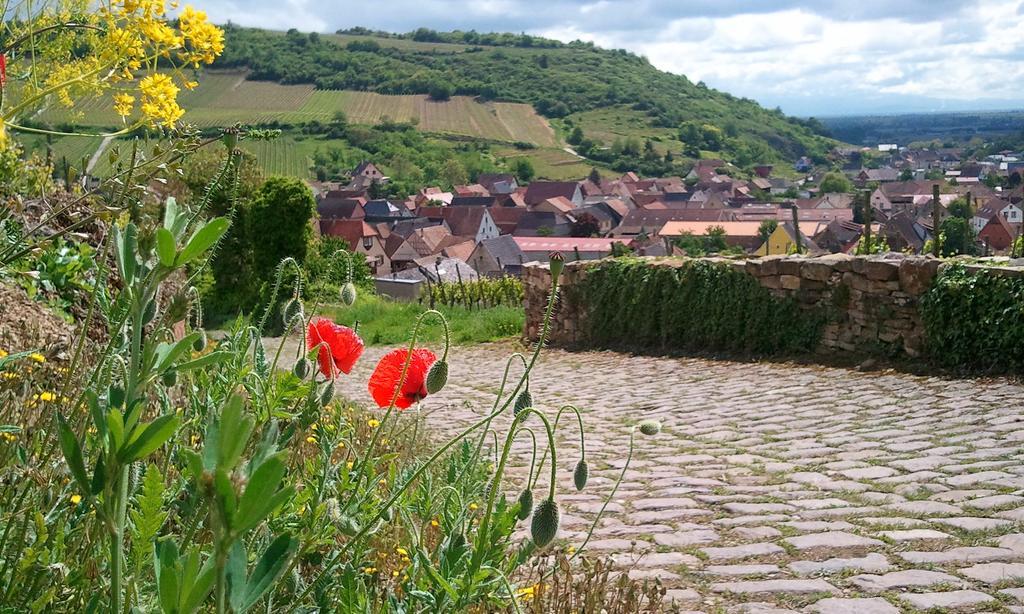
(348, 294)
(200, 343)
(348, 525)
(388, 514)
(169, 378)
(545, 523)
(524, 400)
(327, 394)
(557, 264)
(580, 474)
(230, 139)
(178, 307)
(650, 427)
(301, 368)
(292, 310)
(525, 503)
(437, 376)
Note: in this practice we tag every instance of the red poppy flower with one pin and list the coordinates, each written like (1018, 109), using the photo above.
(386, 376)
(341, 347)
(3, 68)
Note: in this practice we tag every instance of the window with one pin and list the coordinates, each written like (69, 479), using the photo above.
(367, 242)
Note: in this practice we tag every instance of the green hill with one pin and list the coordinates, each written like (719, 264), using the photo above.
(565, 83)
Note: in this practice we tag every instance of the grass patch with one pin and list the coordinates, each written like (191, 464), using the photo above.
(386, 322)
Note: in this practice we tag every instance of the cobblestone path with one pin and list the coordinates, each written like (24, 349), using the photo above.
(778, 488)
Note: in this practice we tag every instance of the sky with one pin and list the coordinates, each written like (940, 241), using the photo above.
(820, 58)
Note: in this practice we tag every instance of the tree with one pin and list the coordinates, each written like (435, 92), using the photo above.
(906, 174)
(715, 241)
(282, 211)
(453, 172)
(594, 176)
(834, 183)
(576, 136)
(586, 225)
(766, 229)
(957, 237)
(523, 170)
(961, 208)
(440, 91)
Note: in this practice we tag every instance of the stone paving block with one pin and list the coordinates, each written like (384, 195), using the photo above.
(991, 573)
(831, 540)
(871, 563)
(741, 570)
(908, 578)
(834, 605)
(946, 600)
(964, 554)
(728, 553)
(775, 587)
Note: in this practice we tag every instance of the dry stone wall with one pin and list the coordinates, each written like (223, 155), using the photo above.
(872, 301)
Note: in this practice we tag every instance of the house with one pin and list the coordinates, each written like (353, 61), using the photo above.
(839, 236)
(365, 175)
(334, 208)
(428, 241)
(741, 234)
(435, 269)
(474, 222)
(498, 183)
(903, 232)
(496, 257)
(880, 175)
(607, 218)
(1009, 212)
(997, 235)
(542, 224)
(431, 196)
(537, 249)
(641, 221)
(400, 252)
(539, 191)
(559, 205)
(783, 241)
(473, 201)
(362, 238)
(382, 210)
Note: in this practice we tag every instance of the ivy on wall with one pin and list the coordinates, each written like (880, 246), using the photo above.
(698, 306)
(975, 321)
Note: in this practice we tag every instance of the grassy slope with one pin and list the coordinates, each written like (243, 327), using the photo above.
(385, 322)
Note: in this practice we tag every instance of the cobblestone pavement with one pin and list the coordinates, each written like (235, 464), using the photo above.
(778, 488)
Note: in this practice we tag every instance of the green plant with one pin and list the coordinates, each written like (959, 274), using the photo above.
(691, 305)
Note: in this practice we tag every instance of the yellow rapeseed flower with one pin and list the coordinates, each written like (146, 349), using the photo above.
(159, 99)
(402, 551)
(124, 104)
(473, 507)
(204, 41)
(36, 356)
(47, 397)
(435, 523)
(373, 422)
(76, 499)
(310, 439)
(3, 353)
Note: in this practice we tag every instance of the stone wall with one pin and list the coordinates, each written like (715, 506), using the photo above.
(872, 301)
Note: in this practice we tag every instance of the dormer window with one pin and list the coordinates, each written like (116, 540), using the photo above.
(367, 242)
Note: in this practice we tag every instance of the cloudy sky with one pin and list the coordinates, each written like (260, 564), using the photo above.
(822, 57)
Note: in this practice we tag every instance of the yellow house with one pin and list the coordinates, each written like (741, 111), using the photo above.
(779, 243)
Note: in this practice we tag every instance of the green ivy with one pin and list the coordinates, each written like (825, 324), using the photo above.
(697, 306)
(975, 321)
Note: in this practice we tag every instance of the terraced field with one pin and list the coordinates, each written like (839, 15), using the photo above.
(283, 156)
(553, 164)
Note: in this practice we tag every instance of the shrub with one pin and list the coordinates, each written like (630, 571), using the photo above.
(972, 320)
(696, 306)
(478, 293)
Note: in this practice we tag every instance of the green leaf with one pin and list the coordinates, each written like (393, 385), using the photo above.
(155, 435)
(127, 246)
(166, 569)
(269, 569)
(165, 247)
(167, 354)
(235, 430)
(203, 361)
(72, 454)
(259, 499)
(236, 572)
(203, 239)
(148, 515)
(14, 357)
(201, 587)
(115, 426)
(170, 212)
(226, 490)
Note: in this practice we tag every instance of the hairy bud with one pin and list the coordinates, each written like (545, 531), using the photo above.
(650, 427)
(169, 378)
(292, 311)
(437, 376)
(178, 307)
(557, 264)
(200, 343)
(525, 503)
(545, 523)
(327, 394)
(301, 368)
(581, 474)
(348, 294)
(524, 400)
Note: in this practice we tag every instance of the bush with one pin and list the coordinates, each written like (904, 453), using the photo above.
(478, 293)
(973, 321)
(698, 306)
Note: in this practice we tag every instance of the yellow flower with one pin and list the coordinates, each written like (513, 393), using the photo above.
(373, 422)
(47, 397)
(161, 34)
(349, 465)
(10, 437)
(124, 104)
(9, 375)
(310, 439)
(394, 574)
(76, 499)
(36, 356)
(3, 353)
(473, 507)
(382, 482)
(435, 523)
(191, 85)
(204, 41)
(341, 444)
(159, 99)
(402, 551)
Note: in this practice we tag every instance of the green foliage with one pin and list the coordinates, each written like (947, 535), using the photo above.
(956, 237)
(972, 321)
(961, 208)
(281, 223)
(696, 306)
(835, 182)
(478, 293)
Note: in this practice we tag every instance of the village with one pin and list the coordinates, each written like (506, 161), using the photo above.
(494, 226)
